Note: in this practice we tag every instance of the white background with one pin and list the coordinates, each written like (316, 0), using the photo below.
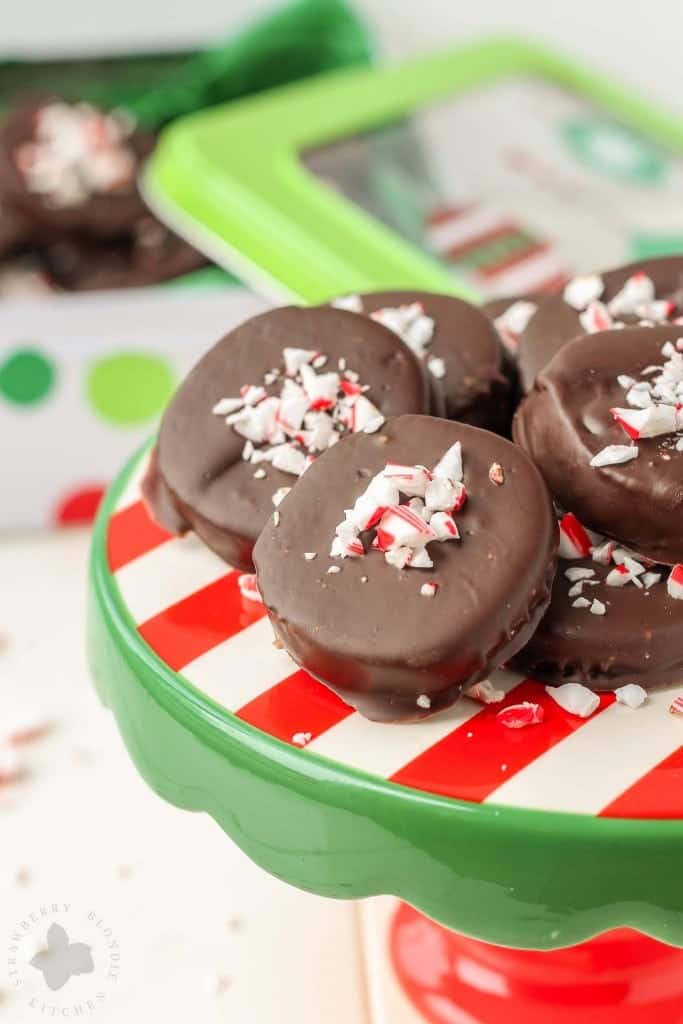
(638, 43)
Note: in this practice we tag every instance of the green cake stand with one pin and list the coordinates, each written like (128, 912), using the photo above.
(556, 851)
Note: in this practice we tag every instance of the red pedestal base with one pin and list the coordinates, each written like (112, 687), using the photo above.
(621, 977)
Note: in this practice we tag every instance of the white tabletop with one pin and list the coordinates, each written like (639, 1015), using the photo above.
(204, 934)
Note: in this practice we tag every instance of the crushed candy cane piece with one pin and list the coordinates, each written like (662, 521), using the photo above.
(442, 495)
(674, 583)
(518, 716)
(597, 607)
(449, 465)
(650, 579)
(423, 701)
(581, 602)
(410, 323)
(352, 303)
(280, 495)
(411, 480)
(595, 318)
(295, 358)
(676, 706)
(248, 587)
(496, 474)
(574, 573)
(333, 570)
(444, 526)
(618, 577)
(310, 555)
(437, 367)
(401, 526)
(429, 589)
(637, 291)
(300, 739)
(614, 455)
(650, 422)
(575, 541)
(485, 692)
(511, 323)
(575, 699)
(602, 553)
(632, 695)
(582, 290)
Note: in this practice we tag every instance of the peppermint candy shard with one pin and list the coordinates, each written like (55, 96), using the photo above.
(602, 553)
(449, 465)
(518, 716)
(248, 587)
(423, 701)
(575, 541)
(436, 367)
(582, 290)
(410, 480)
(575, 699)
(496, 474)
(280, 495)
(650, 579)
(653, 421)
(632, 695)
(511, 323)
(300, 739)
(674, 583)
(574, 573)
(676, 706)
(444, 526)
(637, 292)
(295, 358)
(485, 693)
(581, 602)
(351, 303)
(596, 318)
(429, 589)
(614, 455)
(597, 607)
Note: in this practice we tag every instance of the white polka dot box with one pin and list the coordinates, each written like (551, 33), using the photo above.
(83, 379)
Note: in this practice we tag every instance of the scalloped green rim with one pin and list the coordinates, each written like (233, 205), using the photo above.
(530, 879)
(231, 179)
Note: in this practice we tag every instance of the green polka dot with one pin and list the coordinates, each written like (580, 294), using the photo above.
(26, 376)
(129, 388)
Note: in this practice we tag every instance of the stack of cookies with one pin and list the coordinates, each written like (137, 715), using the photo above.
(356, 456)
(71, 215)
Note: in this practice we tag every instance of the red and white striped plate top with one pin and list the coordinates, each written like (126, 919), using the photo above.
(187, 606)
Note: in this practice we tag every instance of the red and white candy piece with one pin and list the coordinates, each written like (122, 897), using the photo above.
(449, 465)
(444, 526)
(574, 698)
(410, 480)
(596, 318)
(618, 577)
(674, 583)
(351, 303)
(295, 358)
(518, 716)
(676, 706)
(513, 321)
(321, 388)
(401, 526)
(602, 553)
(429, 589)
(650, 422)
(638, 291)
(443, 495)
(248, 586)
(575, 542)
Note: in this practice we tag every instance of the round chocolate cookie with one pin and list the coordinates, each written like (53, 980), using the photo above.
(399, 586)
(634, 633)
(510, 316)
(601, 425)
(152, 254)
(459, 346)
(260, 406)
(72, 168)
(557, 320)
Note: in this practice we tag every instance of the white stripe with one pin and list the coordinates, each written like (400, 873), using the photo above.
(173, 570)
(241, 668)
(464, 227)
(382, 749)
(591, 767)
(524, 276)
(131, 492)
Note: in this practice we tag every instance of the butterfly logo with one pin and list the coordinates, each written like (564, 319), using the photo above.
(62, 959)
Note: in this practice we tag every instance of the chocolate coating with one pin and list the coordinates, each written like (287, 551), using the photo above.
(476, 388)
(16, 231)
(199, 480)
(556, 322)
(152, 254)
(639, 640)
(381, 644)
(104, 215)
(565, 421)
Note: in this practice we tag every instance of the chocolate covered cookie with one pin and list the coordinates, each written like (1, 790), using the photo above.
(408, 564)
(16, 231)
(604, 425)
(613, 619)
(150, 255)
(459, 346)
(651, 291)
(70, 167)
(259, 409)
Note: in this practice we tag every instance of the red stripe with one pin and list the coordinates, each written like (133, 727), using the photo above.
(132, 533)
(191, 627)
(298, 704)
(513, 260)
(444, 214)
(456, 252)
(658, 794)
(468, 763)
